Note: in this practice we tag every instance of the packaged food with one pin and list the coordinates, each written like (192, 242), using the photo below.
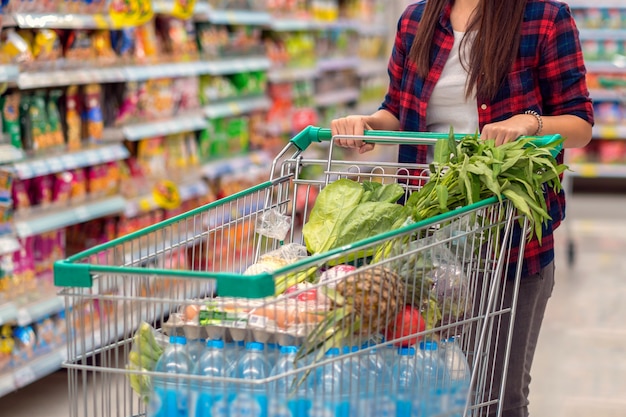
(16, 48)
(7, 346)
(11, 118)
(62, 191)
(42, 190)
(73, 120)
(79, 185)
(129, 107)
(79, 47)
(146, 46)
(104, 51)
(46, 45)
(54, 118)
(25, 344)
(92, 119)
(39, 121)
(123, 42)
(21, 195)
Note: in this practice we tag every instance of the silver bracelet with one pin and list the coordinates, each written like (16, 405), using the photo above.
(539, 121)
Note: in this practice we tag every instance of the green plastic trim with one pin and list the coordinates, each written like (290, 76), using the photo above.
(316, 134)
(67, 274)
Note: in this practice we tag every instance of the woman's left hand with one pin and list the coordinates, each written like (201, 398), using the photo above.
(510, 129)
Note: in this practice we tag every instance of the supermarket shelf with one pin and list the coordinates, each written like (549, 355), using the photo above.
(23, 312)
(602, 34)
(234, 17)
(9, 153)
(31, 372)
(590, 170)
(374, 67)
(147, 203)
(190, 122)
(583, 4)
(234, 165)
(9, 73)
(101, 75)
(368, 107)
(601, 131)
(337, 97)
(617, 66)
(46, 221)
(63, 21)
(236, 106)
(603, 94)
(292, 24)
(338, 64)
(59, 162)
(292, 74)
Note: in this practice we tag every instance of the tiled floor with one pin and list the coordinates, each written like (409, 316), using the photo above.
(580, 365)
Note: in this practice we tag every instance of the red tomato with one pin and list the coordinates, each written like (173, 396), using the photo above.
(408, 322)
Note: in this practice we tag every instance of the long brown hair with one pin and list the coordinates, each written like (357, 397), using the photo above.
(497, 26)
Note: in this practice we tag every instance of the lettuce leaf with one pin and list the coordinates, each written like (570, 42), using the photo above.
(346, 211)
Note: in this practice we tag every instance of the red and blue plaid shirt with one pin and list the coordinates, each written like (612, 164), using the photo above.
(548, 76)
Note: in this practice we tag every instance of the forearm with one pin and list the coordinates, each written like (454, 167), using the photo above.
(576, 131)
(383, 120)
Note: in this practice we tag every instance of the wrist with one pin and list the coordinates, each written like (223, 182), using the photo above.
(536, 125)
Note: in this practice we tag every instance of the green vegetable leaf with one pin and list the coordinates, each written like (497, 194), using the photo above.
(334, 202)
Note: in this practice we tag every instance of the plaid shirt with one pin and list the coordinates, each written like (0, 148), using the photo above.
(548, 76)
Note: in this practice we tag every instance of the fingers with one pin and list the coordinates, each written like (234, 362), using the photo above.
(352, 126)
(500, 134)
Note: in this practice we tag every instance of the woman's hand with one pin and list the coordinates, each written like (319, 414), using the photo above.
(510, 129)
(354, 126)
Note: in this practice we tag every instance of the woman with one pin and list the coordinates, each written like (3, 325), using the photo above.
(505, 69)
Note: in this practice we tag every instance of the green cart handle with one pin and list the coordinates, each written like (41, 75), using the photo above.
(317, 134)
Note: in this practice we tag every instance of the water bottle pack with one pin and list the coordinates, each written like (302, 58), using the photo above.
(430, 379)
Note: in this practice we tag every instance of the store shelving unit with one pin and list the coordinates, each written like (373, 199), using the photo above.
(23, 310)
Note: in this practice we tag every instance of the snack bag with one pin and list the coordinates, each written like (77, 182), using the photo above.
(104, 51)
(46, 45)
(42, 190)
(20, 194)
(73, 118)
(92, 119)
(79, 185)
(54, 119)
(79, 47)
(62, 191)
(10, 104)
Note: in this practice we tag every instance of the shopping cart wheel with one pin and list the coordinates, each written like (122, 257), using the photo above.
(571, 253)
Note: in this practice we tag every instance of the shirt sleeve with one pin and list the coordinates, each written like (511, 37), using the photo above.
(395, 69)
(562, 70)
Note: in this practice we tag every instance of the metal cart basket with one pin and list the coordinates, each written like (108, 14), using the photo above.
(388, 304)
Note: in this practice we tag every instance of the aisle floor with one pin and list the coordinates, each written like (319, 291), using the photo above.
(580, 365)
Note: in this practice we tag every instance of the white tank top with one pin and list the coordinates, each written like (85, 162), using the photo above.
(448, 106)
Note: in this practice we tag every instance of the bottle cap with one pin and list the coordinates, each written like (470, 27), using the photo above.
(215, 344)
(406, 351)
(288, 349)
(428, 345)
(332, 352)
(178, 340)
(255, 346)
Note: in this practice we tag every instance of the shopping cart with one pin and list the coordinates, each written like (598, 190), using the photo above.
(196, 277)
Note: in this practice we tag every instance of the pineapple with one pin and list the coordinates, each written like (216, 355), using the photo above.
(365, 302)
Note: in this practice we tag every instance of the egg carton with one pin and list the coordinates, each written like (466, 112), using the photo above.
(254, 329)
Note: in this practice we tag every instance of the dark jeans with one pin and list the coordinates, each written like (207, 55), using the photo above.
(534, 292)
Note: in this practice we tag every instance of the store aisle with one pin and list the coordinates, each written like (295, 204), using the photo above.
(580, 366)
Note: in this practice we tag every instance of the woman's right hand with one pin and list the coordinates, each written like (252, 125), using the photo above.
(352, 126)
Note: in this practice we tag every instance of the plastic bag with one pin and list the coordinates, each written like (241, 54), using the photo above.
(273, 224)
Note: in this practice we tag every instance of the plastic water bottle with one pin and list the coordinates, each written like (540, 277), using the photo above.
(332, 385)
(376, 370)
(273, 352)
(170, 396)
(406, 381)
(355, 366)
(211, 394)
(376, 400)
(293, 395)
(459, 373)
(434, 378)
(195, 349)
(251, 400)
